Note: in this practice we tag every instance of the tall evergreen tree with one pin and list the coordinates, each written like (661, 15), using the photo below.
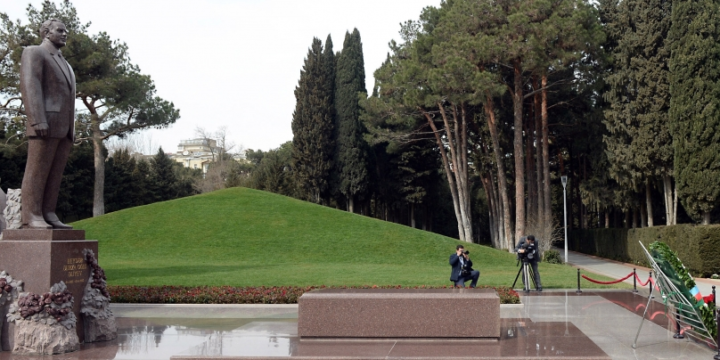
(142, 177)
(119, 184)
(638, 141)
(695, 104)
(164, 183)
(351, 149)
(312, 127)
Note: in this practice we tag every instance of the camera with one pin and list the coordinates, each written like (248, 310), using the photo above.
(530, 249)
(466, 252)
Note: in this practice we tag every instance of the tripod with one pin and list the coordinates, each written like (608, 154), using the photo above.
(528, 275)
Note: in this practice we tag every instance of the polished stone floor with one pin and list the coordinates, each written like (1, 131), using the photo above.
(548, 325)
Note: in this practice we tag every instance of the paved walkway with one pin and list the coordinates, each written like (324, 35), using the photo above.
(618, 270)
(551, 325)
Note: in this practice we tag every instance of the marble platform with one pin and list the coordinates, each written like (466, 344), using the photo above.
(548, 325)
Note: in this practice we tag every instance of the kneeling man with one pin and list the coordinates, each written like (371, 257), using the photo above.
(462, 270)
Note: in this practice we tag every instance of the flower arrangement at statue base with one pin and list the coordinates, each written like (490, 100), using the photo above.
(98, 320)
(676, 272)
(44, 324)
(9, 291)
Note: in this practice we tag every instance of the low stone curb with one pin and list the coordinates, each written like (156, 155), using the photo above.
(225, 311)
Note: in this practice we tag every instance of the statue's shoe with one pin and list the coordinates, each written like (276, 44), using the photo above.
(59, 225)
(38, 224)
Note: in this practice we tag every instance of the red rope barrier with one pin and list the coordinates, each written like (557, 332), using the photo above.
(607, 282)
(640, 281)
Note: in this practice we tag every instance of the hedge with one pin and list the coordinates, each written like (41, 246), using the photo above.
(251, 295)
(698, 247)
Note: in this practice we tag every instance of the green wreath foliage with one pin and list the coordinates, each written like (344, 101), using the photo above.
(676, 272)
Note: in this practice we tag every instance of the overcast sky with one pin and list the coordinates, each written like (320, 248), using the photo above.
(235, 63)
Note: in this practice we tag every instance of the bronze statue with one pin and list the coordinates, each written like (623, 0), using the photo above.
(47, 85)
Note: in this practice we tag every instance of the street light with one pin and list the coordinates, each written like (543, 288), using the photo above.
(564, 183)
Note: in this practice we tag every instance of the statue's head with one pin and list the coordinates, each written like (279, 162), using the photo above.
(55, 31)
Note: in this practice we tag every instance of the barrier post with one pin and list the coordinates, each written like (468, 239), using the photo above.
(634, 280)
(578, 290)
(650, 284)
(678, 334)
(717, 320)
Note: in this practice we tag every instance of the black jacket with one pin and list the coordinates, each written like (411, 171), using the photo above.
(457, 266)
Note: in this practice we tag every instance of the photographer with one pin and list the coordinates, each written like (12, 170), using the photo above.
(527, 250)
(462, 270)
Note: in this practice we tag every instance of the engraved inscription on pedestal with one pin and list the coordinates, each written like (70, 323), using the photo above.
(75, 271)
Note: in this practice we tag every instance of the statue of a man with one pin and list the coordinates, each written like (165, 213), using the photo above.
(47, 85)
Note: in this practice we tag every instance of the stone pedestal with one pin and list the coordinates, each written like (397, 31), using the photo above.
(399, 313)
(41, 258)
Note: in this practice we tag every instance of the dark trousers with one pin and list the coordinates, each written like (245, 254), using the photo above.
(474, 276)
(43, 173)
(534, 265)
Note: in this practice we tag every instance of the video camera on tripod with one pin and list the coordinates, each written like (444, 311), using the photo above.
(527, 251)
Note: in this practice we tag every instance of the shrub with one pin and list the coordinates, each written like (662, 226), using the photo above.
(249, 295)
(552, 257)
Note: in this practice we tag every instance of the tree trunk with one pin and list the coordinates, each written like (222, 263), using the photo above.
(648, 205)
(634, 218)
(607, 219)
(529, 167)
(492, 206)
(412, 215)
(518, 152)
(539, 169)
(546, 151)
(458, 152)
(425, 217)
(454, 186)
(626, 223)
(643, 215)
(350, 204)
(99, 162)
(670, 206)
(504, 203)
(706, 218)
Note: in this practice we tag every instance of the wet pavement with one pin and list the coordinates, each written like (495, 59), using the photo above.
(548, 325)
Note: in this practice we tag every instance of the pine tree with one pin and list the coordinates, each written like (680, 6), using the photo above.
(695, 104)
(313, 127)
(351, 149)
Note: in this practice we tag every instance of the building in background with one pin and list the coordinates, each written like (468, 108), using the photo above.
(197, 153)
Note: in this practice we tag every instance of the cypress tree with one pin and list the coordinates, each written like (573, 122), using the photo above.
(695, 104)
(119, 183)
(163, 181)
(638, 141)
(312, 127)
(351, 149)
(142, 178)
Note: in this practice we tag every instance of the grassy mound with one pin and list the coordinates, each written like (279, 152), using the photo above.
(245, 237)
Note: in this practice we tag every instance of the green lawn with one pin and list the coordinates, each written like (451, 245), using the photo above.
(245, 237)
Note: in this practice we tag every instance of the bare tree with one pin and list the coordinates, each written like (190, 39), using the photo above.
(222, 150)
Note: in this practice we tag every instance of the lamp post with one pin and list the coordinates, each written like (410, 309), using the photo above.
(564, 183)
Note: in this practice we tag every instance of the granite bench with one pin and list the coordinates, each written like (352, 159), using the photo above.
(399, 313)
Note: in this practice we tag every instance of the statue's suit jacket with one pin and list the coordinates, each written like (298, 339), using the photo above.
(47, 84)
